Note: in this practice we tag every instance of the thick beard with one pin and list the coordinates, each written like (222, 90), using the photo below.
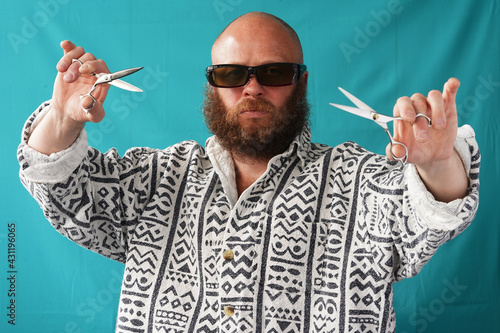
(256, 141)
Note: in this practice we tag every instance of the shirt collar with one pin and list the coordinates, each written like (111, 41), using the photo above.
(302, 145)
(224, 167)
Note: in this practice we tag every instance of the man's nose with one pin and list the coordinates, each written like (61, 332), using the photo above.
(253, 87)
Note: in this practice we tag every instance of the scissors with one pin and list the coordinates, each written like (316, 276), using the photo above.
(365, 111)
(111, 78)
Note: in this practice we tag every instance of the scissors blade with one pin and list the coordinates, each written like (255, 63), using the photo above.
(113, 78)
(125, 72)
(356, 101)
(358, 112)
(125, 85)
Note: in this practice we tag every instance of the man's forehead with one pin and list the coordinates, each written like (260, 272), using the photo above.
(233, 52)
(259, 37)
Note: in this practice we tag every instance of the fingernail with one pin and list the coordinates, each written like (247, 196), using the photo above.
(61, 66)
(409, 113)
(69, 76)
(439, 123)
(423, 135)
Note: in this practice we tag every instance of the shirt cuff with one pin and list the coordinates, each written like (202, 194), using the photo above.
(53, 168)
(436, 214)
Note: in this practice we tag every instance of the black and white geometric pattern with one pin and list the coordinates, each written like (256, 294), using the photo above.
(317, 241)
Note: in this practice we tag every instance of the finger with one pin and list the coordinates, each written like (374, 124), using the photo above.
(420, 127)
(404, 108)
(450, 90)
(65, 63)
(436, 104)
(96, 114)
(70, 51)
(67, 46)
(394, 150)
(388, 151)
(87, 103)
(420, 105)
(73, 73)
(94, 66)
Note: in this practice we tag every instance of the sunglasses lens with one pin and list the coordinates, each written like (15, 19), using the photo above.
(276, 74)
(229, 76)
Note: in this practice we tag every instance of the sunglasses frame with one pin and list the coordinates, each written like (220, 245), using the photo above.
(299, 69)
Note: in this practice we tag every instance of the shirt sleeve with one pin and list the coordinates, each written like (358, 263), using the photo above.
(84, 193)
(446, 216)
(40, 168)
(406, 224)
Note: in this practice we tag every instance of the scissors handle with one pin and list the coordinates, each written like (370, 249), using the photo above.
(93, 100)
(393, 143)
(429, 121)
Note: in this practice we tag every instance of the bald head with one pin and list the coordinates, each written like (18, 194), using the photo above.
(256, 38)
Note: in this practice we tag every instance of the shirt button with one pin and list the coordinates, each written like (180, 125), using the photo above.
(229, 310)
(228, 255)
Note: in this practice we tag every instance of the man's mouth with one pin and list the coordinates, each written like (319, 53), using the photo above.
(254, 113)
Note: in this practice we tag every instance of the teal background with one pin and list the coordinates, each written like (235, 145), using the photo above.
(378, 50)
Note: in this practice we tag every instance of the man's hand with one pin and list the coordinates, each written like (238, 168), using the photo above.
(74, 80)
(431, 148)
(62, 125)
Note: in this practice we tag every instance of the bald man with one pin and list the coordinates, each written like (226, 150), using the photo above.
(260, 230)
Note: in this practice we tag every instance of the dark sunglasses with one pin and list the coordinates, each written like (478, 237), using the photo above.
(277, 74)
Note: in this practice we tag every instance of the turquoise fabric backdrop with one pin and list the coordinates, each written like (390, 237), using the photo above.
(378, 50)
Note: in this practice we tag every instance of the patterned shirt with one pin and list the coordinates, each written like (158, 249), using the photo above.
(314, 245)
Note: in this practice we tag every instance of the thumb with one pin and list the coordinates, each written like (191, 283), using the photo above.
(450, 90)
(94, 110)
(395, 151)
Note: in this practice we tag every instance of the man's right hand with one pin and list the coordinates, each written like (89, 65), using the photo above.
(74, 80)
(63, 123)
